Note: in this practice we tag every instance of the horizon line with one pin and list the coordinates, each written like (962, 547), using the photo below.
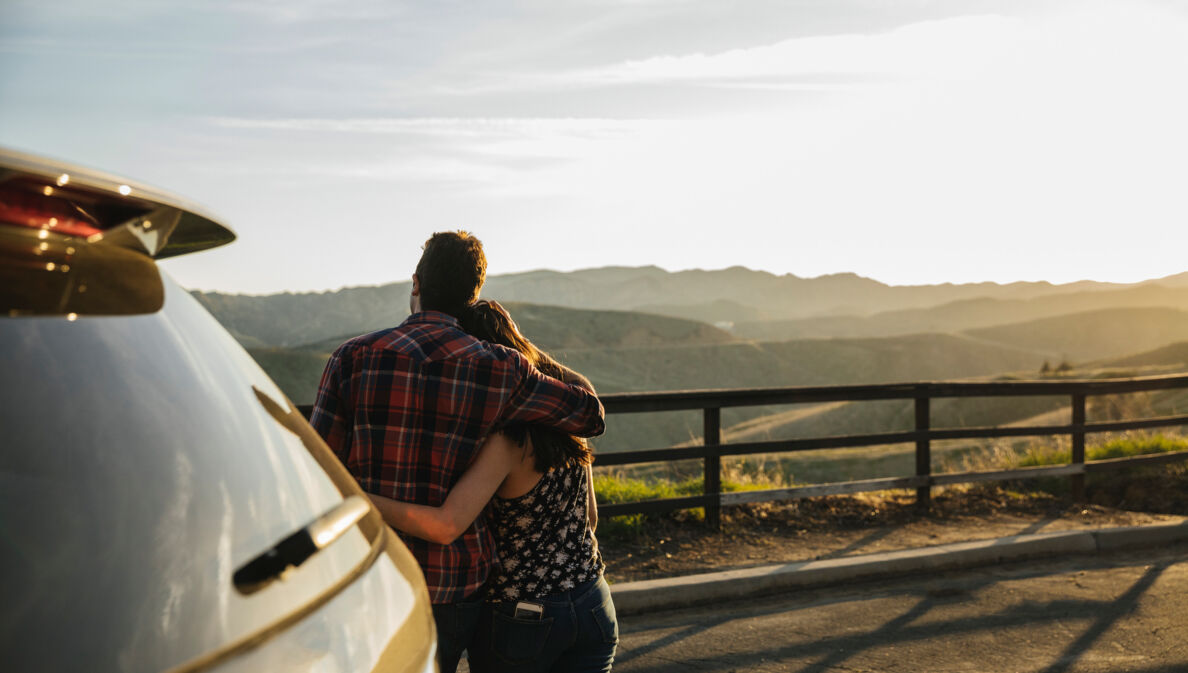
(854, 274)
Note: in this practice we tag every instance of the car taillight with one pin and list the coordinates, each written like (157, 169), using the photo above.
(57, 257)
(23, 207)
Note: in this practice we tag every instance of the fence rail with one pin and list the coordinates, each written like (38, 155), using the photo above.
(711, 402)
(711, 451)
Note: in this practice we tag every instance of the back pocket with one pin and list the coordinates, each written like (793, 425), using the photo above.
(607, 621)
(518, 641)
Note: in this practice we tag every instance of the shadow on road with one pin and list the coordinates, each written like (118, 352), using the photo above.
(859, 544)
(1109, 615)
(831, 653)
(1037, 525)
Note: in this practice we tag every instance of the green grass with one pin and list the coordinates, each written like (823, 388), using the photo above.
(1042, 455)
(758, 475)
(1121, 447)
(611, 489)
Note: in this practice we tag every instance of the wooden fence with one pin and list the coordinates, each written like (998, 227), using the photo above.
(711, 451)
(711, 403)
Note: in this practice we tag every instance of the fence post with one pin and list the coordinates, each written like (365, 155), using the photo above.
(923, 452)
(1077, 481)
(713, 466)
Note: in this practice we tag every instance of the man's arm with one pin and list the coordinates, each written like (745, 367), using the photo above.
(331, 415)
(542, 399)
(466, 500)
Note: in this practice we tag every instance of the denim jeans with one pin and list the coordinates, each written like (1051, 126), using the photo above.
(455, 630)
(577, 633)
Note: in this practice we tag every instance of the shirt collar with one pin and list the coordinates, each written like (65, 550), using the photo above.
(433, 317)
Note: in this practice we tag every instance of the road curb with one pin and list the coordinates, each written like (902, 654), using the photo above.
(678, 592)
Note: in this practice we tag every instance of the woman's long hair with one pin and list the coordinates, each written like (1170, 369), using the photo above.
(551, 448)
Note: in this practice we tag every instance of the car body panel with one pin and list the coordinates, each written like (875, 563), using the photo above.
(343, 635)
(145, 459)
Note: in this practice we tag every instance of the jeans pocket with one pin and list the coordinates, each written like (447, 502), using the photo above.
(607, 621)
(518, 641)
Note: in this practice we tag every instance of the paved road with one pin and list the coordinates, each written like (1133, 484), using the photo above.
(1086, 614)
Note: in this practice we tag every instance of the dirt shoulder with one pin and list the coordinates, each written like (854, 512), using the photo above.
(835, 527)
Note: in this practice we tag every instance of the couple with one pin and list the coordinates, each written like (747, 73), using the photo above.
(450, 411)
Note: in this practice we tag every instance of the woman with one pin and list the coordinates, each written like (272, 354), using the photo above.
(548, 607)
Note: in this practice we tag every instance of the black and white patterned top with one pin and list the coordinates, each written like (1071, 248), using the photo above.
(544, 543)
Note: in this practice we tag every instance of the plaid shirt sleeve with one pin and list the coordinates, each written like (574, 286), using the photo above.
(331, 415)
(543, 399)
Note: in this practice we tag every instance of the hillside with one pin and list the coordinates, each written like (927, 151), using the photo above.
(1173, 355)
(296, 372)
(717, 311)
(964, 315)
(552, 328)
(291, 319)
(1093, 335)
(893, 416)
(795, 363)
(728, 295)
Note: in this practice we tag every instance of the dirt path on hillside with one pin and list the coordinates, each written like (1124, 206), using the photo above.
(836, 527)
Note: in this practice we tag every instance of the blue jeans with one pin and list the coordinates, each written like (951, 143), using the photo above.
(577, 633)
(455, 630)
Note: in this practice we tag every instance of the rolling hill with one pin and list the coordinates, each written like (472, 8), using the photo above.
(1172, 355)
(554, 327)
(1092, 335)
(964, 315)
(728, 295)
(292, 319)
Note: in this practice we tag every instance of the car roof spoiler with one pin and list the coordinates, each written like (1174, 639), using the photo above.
(106, 209)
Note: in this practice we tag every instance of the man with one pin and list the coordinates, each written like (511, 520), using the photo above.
(406, 408)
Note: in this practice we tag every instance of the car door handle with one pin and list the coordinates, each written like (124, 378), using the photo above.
(296, 548)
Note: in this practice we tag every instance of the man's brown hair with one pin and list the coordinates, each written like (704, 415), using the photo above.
(451, 271)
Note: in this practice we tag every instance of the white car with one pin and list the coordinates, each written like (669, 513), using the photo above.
(163, 505)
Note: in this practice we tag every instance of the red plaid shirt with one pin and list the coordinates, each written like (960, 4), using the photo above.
(406, 408)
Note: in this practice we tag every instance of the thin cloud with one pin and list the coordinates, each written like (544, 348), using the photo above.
(504, 156)
(301, 11)
(944, 48)
(443, 126)
(927, 47)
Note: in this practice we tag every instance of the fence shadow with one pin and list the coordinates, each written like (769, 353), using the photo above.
(833, 653)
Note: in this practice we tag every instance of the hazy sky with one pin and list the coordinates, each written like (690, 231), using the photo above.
(910, 141)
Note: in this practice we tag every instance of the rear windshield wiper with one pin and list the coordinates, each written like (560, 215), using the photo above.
(296, 549)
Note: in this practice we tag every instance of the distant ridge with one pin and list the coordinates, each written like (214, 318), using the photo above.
(965, 314)
(1092, 335)
(1172, 355)
(736, 289)
(732, 295)
(552, 328)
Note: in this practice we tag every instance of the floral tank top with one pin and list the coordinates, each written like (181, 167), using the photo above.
(543, 541)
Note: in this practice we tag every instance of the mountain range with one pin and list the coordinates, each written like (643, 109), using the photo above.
(635, 329)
